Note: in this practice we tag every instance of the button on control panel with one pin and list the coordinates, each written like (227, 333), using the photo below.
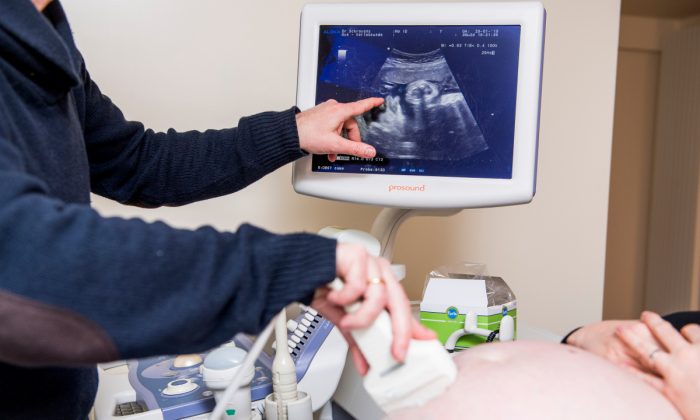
(301, 329)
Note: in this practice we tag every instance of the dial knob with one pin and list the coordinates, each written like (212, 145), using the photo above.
(179, 386)
(187, 360)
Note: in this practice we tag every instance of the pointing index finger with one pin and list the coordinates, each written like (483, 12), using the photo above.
(353, 109)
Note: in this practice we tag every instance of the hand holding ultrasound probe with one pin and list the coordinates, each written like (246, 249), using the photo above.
(377, 296)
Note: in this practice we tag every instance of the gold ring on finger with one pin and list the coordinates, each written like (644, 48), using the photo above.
(375, 280)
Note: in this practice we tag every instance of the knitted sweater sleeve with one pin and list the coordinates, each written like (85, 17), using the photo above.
(138, 166)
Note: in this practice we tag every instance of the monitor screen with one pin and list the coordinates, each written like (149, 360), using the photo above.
(449, 91)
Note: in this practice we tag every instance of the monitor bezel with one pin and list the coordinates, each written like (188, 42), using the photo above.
(430, 192)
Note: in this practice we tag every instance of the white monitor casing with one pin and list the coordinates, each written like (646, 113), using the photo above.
(430, 192)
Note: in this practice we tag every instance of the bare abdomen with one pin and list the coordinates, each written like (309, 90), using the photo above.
(535, 380)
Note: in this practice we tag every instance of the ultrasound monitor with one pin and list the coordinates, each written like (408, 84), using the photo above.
(461, 84)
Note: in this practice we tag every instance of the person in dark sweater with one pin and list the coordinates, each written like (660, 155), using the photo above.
(77, 289)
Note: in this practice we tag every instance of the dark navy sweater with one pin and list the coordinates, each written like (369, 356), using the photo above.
(77, 288)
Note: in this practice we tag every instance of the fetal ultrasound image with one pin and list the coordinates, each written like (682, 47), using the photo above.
(449, 97)
(425, 114)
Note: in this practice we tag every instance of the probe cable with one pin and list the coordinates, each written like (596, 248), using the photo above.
(248, 362)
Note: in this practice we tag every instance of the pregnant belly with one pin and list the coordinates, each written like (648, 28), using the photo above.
(534, 380)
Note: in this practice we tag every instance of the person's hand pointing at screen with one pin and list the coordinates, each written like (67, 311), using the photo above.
(320, 128)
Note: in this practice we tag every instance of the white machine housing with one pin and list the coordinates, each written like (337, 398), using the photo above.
(430, 192)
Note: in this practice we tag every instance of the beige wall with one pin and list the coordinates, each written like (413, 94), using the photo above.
(672, 282)
(633, 162)
(630, 183)
(205, 63)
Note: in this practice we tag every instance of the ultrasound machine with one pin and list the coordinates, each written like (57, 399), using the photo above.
(458, 129)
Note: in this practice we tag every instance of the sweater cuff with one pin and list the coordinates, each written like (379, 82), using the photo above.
(565, 340)
(303, 262)
(681, 319)
(276, 137)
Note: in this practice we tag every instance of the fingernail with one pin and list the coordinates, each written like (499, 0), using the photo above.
(369, 151)
(401, 354)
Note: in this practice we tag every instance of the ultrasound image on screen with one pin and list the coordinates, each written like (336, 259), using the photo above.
(449, 94)
(425, 116)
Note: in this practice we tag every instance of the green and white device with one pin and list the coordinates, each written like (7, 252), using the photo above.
(467, 310)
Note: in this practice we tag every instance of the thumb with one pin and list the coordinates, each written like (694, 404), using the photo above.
(342, 146)
(420, 332)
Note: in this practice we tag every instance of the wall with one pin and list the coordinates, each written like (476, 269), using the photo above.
(632, 161)
(673, 267)
(195, 65)
(628, 216)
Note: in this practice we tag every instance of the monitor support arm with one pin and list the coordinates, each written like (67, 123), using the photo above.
(389, 220)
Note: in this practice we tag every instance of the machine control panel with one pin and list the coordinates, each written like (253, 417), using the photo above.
(174, 386)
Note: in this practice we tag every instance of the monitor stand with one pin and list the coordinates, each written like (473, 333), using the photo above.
(387, 223)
